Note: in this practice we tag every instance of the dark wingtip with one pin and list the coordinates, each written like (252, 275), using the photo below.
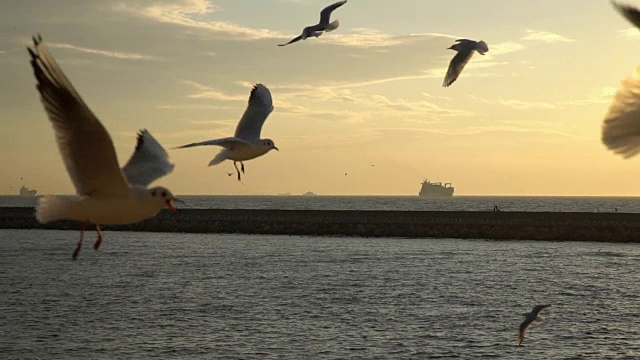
(140, 138)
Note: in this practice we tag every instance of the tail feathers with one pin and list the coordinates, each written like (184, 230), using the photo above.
(52, 208)
(222, 156)
(332, 25)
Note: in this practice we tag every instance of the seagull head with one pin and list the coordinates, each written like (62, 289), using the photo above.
(162, 197)
(269, 144)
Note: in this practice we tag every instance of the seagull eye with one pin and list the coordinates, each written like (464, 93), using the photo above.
(164, 194)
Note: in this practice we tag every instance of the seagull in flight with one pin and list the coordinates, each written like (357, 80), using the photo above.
(246, 143)
(621, 127)
(322, 26)
(530, 318)
(465, 49)
(108, 194)
(229, 174)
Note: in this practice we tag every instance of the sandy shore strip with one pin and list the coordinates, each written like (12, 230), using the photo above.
(552, 226)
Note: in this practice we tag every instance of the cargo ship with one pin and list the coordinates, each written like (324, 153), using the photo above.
(436, 189)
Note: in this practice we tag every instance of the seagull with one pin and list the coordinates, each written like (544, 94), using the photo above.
(465, 48)
(322, 26)
(246, 143)
(108, 194)
(530, 317)
(621, 126)
(229, 174)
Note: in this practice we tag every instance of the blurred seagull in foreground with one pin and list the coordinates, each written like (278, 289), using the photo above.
(621, 127)
(246, 143)
(108, 194)
(320, 27)
(465, 49)
(530, 318)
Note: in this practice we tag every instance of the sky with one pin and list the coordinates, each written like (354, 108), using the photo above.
(524, 119)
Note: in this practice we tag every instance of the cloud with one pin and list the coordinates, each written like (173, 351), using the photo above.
(210, 92)
(632, 33)
(107, 53)
(518, 104)
(545, 36)
(189, 13)
(368, 37)
(506, 47)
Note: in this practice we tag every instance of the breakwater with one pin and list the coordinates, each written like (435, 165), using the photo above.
(552, 226)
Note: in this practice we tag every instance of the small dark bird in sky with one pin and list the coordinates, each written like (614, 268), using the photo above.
(530, 318)
(372, 165)
(322, 26)
(465, 49)
(229, 174)
(345, 174)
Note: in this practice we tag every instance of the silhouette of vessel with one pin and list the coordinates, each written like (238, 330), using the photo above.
(436, 189)
(25, 191)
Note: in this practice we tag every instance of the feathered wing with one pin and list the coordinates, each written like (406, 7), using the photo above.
(456, 65)
(523, 329)
(259, 107)
(148, 163)
(325, 14)
(621, 127)
(629, 12)
(85, 146)
(224, 142)
(295, 39)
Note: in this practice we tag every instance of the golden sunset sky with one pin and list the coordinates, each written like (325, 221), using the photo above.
(523, 120)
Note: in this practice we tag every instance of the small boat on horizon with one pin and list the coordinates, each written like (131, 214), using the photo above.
(25, 191)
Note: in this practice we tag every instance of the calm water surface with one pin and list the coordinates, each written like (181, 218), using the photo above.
(253, 297)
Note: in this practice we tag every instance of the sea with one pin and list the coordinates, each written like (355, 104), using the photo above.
(231, 296)
(394, 203)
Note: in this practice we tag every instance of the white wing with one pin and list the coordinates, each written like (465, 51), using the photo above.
(259, 108)
(148, 163)
(224, 142)
(85, 145)
(621, 127)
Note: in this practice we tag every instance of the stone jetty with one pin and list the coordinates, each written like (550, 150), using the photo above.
(551, 226)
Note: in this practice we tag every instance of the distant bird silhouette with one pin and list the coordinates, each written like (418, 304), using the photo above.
(530, 318)
(345, 174)
(465, 49)
(229, 174)
(322, 26)
(245, 143)
(621, 127)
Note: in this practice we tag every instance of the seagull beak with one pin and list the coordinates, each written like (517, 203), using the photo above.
(168, 202)
(276, 148)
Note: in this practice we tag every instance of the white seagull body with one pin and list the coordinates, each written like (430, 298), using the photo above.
(465, 49)
(323, 25)
(108, 194)
(621, 127)
(530, 318)
(246, 143)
